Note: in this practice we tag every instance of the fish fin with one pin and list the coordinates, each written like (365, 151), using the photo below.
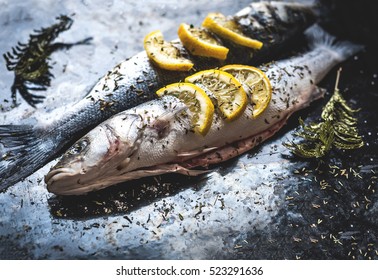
(195, 152)
(319, 38)
(321, 90)
(162, 169)
(169, 115)
(177, 168)
(123, 164)
(22, 151)
(232, 150)
(162, 123)
(193, 172)
(318, 92)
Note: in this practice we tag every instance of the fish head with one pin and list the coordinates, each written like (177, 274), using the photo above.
(295, 14)
(102, 153)
(275, 23)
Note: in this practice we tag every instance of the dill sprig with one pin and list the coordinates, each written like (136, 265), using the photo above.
(30, 62)
(338, 129)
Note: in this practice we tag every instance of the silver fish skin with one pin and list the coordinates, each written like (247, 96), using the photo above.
(25, 148)
(155, 138)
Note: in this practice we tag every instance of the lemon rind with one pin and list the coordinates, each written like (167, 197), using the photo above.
(241, 103)
(199, 47)
(229, 34)
(161, 59)
(206, 106)
(260, 110)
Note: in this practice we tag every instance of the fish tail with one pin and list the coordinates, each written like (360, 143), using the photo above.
(22, 151)
(319, 38)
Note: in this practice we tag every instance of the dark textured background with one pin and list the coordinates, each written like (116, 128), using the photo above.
(265, 204)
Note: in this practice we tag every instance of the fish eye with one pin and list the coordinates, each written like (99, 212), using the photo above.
(78, 147)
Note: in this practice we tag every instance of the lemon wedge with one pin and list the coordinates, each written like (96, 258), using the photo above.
(196, 100)
(229, 94)
(164, 53)
(228, 29)
(255, 83)
(201, 42)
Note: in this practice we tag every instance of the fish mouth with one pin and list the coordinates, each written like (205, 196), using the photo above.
(68, 181)
(58, 174)
(60, 180)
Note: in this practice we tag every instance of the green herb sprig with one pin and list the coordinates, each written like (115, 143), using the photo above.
(30, 62)
(338, 129)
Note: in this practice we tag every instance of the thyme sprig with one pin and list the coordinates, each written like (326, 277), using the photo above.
(30, 62)
(338, 129)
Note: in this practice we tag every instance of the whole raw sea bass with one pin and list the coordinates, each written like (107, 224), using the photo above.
(24, 149)
(129, 145)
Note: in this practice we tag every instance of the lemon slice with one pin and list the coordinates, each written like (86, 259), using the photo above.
(164, 53)
(197, 101)
(255, 83)
(230, 96)
(200, 42)
(228, 29)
